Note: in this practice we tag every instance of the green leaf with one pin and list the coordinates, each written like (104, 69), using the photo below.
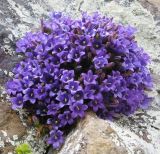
(23, 149)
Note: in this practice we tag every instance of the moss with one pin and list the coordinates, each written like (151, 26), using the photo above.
(23, 149)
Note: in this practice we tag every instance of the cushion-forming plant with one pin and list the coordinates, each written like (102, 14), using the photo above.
(72, 66)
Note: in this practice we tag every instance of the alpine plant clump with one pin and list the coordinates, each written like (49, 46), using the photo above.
(72, 66)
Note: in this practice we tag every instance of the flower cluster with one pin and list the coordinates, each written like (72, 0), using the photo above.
(72, 66)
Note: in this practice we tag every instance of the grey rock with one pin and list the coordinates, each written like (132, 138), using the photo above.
(153, 6)
(92, 136)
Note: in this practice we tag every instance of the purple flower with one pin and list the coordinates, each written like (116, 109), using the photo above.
(88, 93)
(41, 92)
(64, 56)
(145, 103)
(49, 45)
(63, 98)
(83, 41)
(97, 103)
(49, 69)
(58, 73)
(27, 83)
(78, 109)
(47, 78)
(53, 109)
(14, 86)
(78, 96)
(59, 48)
(89, 78)
(66, 118)
(56, 15)
(133, 99)
(54, 89)
(55, 60)
(67, 76)
(91, 91)
(76, 54)
(17, 102)
(100, 62)
(97, 44)
(56, 139)
(54, 122)
(73, 86)
(112, 81)
(29, 95)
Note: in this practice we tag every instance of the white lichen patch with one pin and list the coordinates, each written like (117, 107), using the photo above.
(5, 139)
(139, 131)
(69, 141)
(132, 141)
(1, 143)
(38, 145)
(15, 137)
(25, 17)
(4, 133)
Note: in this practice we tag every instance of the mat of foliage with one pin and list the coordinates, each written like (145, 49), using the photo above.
(72, 66)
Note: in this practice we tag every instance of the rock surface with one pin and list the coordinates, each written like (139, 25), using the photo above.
(11, 128)
(92, 136)
(139, 133)
(97, 136)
